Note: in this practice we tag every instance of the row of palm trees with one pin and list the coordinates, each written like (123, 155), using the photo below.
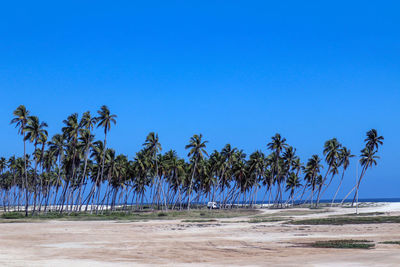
(73, 172)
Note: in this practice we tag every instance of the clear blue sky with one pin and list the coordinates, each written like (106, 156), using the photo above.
(235, 71)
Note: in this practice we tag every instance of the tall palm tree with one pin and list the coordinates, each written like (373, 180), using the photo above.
(98, 153)
(197, 151)
(175, 172)
(71, 135)
(35, 132)
(104, 120)
(312, 171)
(331, 152)
(153, 146)
(288, 157)
(256, 165)
(240, 172)
(227, 158)
(368, 155)
(277, 145)
(20, 120)
(86, 143)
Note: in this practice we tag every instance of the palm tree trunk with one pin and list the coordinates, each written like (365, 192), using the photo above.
(26, 176)
(358, 184)
(337, 190)
(81, 183)
(322, 184)
(34, 182)
(191, 184)
(326, 187)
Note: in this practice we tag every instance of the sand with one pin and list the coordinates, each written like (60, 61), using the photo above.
(175, 243)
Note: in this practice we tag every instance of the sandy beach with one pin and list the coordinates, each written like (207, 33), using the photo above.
(223, 242)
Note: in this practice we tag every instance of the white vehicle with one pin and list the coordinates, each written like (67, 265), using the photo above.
(212, 205)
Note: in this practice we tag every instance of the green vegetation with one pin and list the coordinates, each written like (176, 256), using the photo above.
(192, 215)
(349, 220)
(345, 243)
(390, 242)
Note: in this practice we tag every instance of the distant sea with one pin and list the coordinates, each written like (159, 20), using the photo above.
(365, 200)
(377, 200)
(350, 200)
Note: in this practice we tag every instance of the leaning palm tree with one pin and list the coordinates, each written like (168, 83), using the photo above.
(331, 152)
(20, 120)
(368, 155)
(312, 171)
(292, 183)
(368, 158)
(197, 151)
(344, 161)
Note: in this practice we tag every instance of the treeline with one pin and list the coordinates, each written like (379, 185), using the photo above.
(72, 171)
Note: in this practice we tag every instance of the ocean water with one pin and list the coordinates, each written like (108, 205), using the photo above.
(377, 200)
(349, 200)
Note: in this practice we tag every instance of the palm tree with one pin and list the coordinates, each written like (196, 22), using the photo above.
(153, 146)
(175, 170)
(292, 183)
(35, 130)
(98, 153)
(344, 161)
(104, 120)
(240, 173)
(227, 158)
(331, 152)
(71, 135)
(256, 165)
(20, 120)
(373, 140)
(289, 157)
(368, 155)
(56, 148)
(86, 143)
(88, 122)
(312, 171)
(277, 144)
(3, 164)
(197, 151)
